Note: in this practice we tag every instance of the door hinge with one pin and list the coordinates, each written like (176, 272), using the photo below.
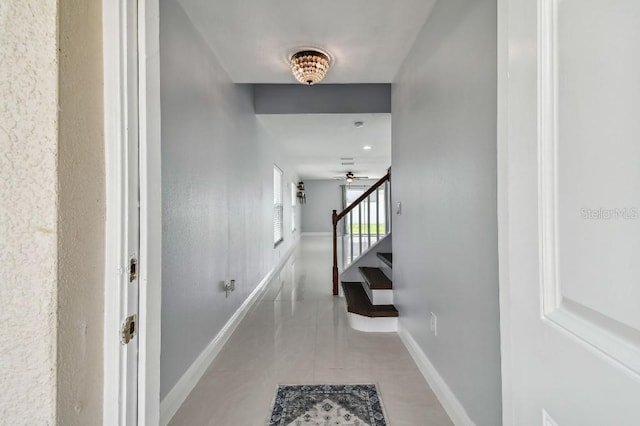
(128, 329)
(133, 269)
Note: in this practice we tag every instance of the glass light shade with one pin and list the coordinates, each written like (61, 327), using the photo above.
(309, 66)
(350, 177)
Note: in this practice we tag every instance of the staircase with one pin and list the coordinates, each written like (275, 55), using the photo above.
(360, 224)
(366, 279)
(370, 301)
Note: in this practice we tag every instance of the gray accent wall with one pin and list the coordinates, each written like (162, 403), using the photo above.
(322, 98)
(217, 195)
(444, 173)
(323, 196)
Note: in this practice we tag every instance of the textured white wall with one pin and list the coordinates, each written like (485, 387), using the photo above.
(445, 255)
(217, 195)
(81, 215)
(28, 194)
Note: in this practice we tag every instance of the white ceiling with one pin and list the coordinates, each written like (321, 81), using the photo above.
(314, 143)
(368, 41)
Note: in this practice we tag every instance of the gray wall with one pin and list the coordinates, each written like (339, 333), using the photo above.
(323, 196)
(444, 173)
(322, 98)
(217, 195)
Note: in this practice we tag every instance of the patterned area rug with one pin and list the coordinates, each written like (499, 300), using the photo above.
(311, 405)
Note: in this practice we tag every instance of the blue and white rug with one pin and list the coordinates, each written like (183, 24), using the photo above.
(324, 405)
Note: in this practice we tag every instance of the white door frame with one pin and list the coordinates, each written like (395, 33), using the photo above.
(114, 50)
(503, 214)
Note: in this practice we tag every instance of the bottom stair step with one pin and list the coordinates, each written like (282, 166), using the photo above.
(358, 302)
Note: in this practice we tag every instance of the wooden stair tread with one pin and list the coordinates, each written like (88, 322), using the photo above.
(358, 302)
(375, 278)
(386, 258)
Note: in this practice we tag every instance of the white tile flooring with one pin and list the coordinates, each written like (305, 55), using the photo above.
(298, 334)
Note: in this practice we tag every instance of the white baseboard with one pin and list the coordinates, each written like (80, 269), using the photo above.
(317, 234)
(447, 398)
(181, 390)
(372, 325)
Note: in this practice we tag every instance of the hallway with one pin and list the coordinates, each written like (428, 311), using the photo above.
(298, 334)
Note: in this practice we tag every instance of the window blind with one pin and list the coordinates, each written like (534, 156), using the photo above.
(293, 206)
(277, 205)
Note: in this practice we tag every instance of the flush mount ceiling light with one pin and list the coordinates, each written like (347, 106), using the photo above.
(309, 66)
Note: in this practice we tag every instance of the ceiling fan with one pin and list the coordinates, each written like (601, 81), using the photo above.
(350, 177)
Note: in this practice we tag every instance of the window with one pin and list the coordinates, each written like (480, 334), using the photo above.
(293, 206)
(277, 205)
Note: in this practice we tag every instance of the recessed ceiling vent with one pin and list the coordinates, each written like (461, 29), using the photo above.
(347, 161)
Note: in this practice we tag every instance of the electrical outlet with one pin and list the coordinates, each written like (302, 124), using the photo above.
(433, 323)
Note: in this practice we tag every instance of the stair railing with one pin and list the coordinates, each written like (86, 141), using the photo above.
(357, 229)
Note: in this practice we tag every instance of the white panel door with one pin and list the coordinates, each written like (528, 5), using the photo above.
(569, 146)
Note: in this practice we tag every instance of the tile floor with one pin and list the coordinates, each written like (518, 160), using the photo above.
(298, 334)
